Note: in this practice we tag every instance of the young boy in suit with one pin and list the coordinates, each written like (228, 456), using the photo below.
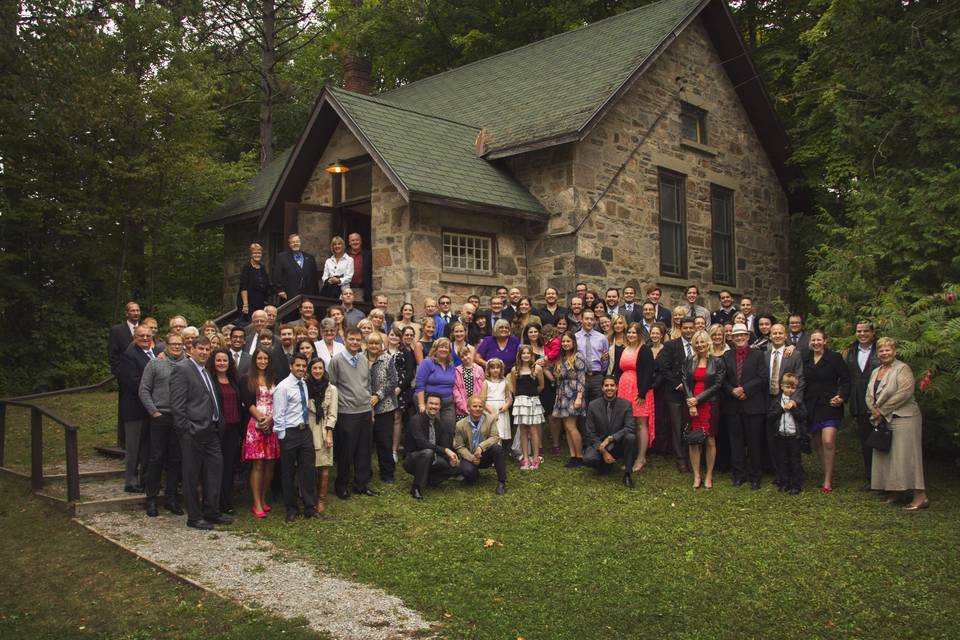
(787, 418)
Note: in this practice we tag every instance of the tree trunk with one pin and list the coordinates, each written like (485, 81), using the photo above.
(267, 61)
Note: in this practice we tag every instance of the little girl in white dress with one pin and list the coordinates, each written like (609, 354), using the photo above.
(497, 396)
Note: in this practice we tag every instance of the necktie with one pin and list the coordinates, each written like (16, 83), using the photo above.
(741, 357)
(689, 349)
(775, 373)
(432, 435)
(609, 415)
(213, 396)
(303, 401)
(150, 354)
(588, 351)
(236, 358)
(693, 311)
(353, 360)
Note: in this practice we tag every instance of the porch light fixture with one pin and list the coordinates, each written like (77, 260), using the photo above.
(337, 167)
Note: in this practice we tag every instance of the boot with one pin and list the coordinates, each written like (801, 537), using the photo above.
(323, 484)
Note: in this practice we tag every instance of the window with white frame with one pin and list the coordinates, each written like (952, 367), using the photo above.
(467, 253)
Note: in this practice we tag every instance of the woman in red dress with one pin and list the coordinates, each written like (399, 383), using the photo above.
(636, 386)
(702, 380)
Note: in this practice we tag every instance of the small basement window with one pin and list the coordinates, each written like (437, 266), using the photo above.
(693, 123)
(467, 253)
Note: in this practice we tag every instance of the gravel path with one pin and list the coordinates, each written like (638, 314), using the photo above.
(253, 573)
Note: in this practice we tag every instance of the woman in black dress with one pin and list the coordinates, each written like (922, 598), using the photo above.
(254, 283)
(827, 388)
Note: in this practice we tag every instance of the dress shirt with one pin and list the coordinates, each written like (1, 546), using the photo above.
(287, 406)
(750, 323)
(149, 353)
(133, 328)
(788, 426)
(863, 357)
(591, 346)
(795, 338)
(342, 268)
(236, 355)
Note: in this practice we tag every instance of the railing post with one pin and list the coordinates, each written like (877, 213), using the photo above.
(3, 430)
(36, 449)
(73, 465)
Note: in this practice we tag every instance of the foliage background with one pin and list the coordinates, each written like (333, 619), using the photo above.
(123, 123)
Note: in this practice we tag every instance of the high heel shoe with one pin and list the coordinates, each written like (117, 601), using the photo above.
(826, 489)
(267, 508)
(638, 467)
(696, 483)
(916, 507)
(258, 514)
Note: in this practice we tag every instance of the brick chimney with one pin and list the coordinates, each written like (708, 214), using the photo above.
(356, 73)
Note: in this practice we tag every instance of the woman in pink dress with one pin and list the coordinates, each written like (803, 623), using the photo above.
(260, 444)
(702, 381)
(636, 386)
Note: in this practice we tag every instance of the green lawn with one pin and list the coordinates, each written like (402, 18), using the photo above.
(60, 581)
(579, 556)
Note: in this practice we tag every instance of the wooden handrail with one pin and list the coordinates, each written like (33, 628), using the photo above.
(37, 413)
(58, 392)
(291, 305)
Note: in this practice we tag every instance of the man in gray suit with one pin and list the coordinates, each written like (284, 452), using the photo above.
(779, 363)
(197, 416)
(239, 355)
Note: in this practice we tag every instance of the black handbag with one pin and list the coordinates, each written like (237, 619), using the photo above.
(694, 436)
(881, 437)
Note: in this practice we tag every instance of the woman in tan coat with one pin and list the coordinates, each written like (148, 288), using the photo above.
(890, 395)
(323, 419)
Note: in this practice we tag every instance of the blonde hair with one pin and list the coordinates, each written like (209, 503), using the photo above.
(494, 362)
(887, 341)
(441, 342)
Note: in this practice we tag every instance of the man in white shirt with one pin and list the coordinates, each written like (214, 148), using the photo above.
(258, 322)
(291, 423)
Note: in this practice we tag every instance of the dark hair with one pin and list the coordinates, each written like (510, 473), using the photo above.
(231, 367)
(687, 320)
(691, 286)
(869, 323)
(432, 395)
(296, 346)
(235, 329)
(609, 289)
(608, 376)
(253, 374)
(526, 334)
(299, 356)
(796, 315)
(572, 337)
(201, 340)
(725, 291)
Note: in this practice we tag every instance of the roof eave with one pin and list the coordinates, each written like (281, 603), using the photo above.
(233, 217)
(430, 198)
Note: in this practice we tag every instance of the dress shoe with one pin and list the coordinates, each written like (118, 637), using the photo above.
(220, 520)
(152, 508)
(627, 481)
(571, 463)
(783, 488)
(794, 492)
(343, 495)
(292, 515)
(203, 525)
(311, 514)
(916, 507)
(737, 482)
(501, 488)
(415, 493)
(173, 506)
(369, 492)
(133, 488)
(755, 485)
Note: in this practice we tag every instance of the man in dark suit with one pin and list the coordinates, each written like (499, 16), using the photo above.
(239, 355)
(282, 353)
(662, 313)
(430, 455)
(746, 395)
(362, 266)
(609, 433)
(672, 358)
(797, 336)
(467, 312)
(861, 361)
(631, 308)
(727, 309)
(258, 322)
(648, 317)
(778, 365)
(496, 311)
(121, 335)
(551, 311)
(132, 413)
(295, 271)
(198, 417)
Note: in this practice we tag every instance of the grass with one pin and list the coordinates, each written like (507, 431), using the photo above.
(60, 581)
(579, 556)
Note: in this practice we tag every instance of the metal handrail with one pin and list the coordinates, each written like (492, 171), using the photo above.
(70, 430)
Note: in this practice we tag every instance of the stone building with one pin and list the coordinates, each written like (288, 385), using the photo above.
(639, 149)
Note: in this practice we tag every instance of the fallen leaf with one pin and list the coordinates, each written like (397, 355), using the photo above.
(489, 542)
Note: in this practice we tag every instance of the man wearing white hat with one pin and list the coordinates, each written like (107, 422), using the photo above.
(745, 387)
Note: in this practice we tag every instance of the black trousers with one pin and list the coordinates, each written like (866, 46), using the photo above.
(351, 449)
(679, 416)
(746, 438)
(383, 441)
(298, 460)
(164, 457)
(492, 457)
(722, 464)
(427, 470)
(202, 459)
(230, 440)
(626, 449)
(593, 389)
(863, 431)
(788, 461)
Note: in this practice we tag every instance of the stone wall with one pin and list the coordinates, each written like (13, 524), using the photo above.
(619, 243)
(237, 238)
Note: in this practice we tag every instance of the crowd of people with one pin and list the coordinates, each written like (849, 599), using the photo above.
(447, 392)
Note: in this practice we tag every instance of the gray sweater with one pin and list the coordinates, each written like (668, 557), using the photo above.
(155, 384)
(352, 383)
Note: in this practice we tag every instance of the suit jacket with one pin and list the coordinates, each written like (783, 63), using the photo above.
(463, 436)
(190, 400)
(129, 371)
(279, 362)
(670, 368)
(419, 431)
(894, 397)
(291, 279)
(799, 412)
(118, 341)
(664, 315)
(803, 344)
(722, 317)
(634, 314)
(755, 382)
(713, 385)
(790, 364)
(859, 379)
(244, 364)
(597, 426)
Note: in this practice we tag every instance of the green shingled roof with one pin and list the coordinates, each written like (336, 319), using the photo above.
(549, 87)
(434, 156)
(255, 195)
